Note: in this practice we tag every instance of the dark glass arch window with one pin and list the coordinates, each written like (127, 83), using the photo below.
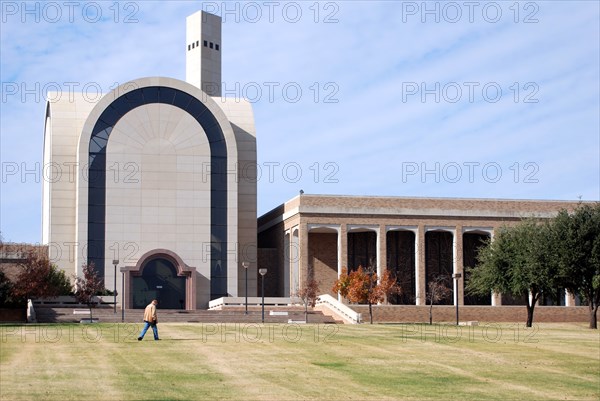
(97, 174)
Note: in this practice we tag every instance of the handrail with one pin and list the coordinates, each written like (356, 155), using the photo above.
(338, 308)
(70, 301)
(252, 301)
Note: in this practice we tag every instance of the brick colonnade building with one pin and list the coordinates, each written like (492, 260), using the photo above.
(419, 239)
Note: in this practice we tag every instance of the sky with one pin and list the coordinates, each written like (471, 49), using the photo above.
(384, 98)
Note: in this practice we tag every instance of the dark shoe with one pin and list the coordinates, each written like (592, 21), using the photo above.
(156, 339)
(139, 338)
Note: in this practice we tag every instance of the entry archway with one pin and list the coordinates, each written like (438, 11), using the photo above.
(161, 274)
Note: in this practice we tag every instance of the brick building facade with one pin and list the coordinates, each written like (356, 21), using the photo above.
(419, 239)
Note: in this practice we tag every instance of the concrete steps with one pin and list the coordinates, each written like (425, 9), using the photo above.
(273, 314)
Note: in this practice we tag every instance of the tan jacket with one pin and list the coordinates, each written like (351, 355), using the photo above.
(150, 313)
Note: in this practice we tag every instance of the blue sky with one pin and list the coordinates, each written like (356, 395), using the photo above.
(442, 99)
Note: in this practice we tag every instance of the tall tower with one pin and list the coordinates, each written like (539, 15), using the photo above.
(203, 54)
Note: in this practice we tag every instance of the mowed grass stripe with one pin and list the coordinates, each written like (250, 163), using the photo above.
(285, 362)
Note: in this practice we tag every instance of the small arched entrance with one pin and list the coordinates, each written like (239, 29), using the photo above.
(159, 281)
(161, 275)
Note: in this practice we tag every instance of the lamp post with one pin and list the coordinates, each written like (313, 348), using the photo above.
(456, 276)
(122, 295)
(262, 272)
(115, 262)
(245, 266)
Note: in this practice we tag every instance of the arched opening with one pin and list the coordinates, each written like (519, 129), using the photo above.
(362, 249)
(401, 262)
(159, 280)
(472, 243)
(439, 262)
(160, 274)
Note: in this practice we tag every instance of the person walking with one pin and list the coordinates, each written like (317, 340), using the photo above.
(150, 320)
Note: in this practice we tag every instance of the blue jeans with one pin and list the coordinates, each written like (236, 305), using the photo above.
(145, 329)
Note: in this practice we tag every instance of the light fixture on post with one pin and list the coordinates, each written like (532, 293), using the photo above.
(245, 266)
(122, 294)
(262, 272)
(115, 262)
(456, 277)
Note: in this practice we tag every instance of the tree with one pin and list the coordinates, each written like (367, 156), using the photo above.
(520, 260)
(363, 286)
(437, 290)
(578, 237)
(6, 291)
(87, 286)
(40, 279)
(308, 295)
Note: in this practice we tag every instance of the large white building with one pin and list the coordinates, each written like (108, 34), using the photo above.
(163, 181)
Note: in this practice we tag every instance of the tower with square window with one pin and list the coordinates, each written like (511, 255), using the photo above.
(161, 178)
(203, 57)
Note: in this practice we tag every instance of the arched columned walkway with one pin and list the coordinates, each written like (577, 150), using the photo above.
(160, 274)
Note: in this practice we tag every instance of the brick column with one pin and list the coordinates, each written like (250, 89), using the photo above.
(496, 296)
(303, 240)
(421, 298)
(381, 250)
(295, 259)
(381, 253)
(342, 251)
(569, 299)
(286, 262)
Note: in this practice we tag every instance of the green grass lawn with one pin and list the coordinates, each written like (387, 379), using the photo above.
(300, 362)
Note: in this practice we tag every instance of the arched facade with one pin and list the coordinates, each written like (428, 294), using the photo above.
(160, 165)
